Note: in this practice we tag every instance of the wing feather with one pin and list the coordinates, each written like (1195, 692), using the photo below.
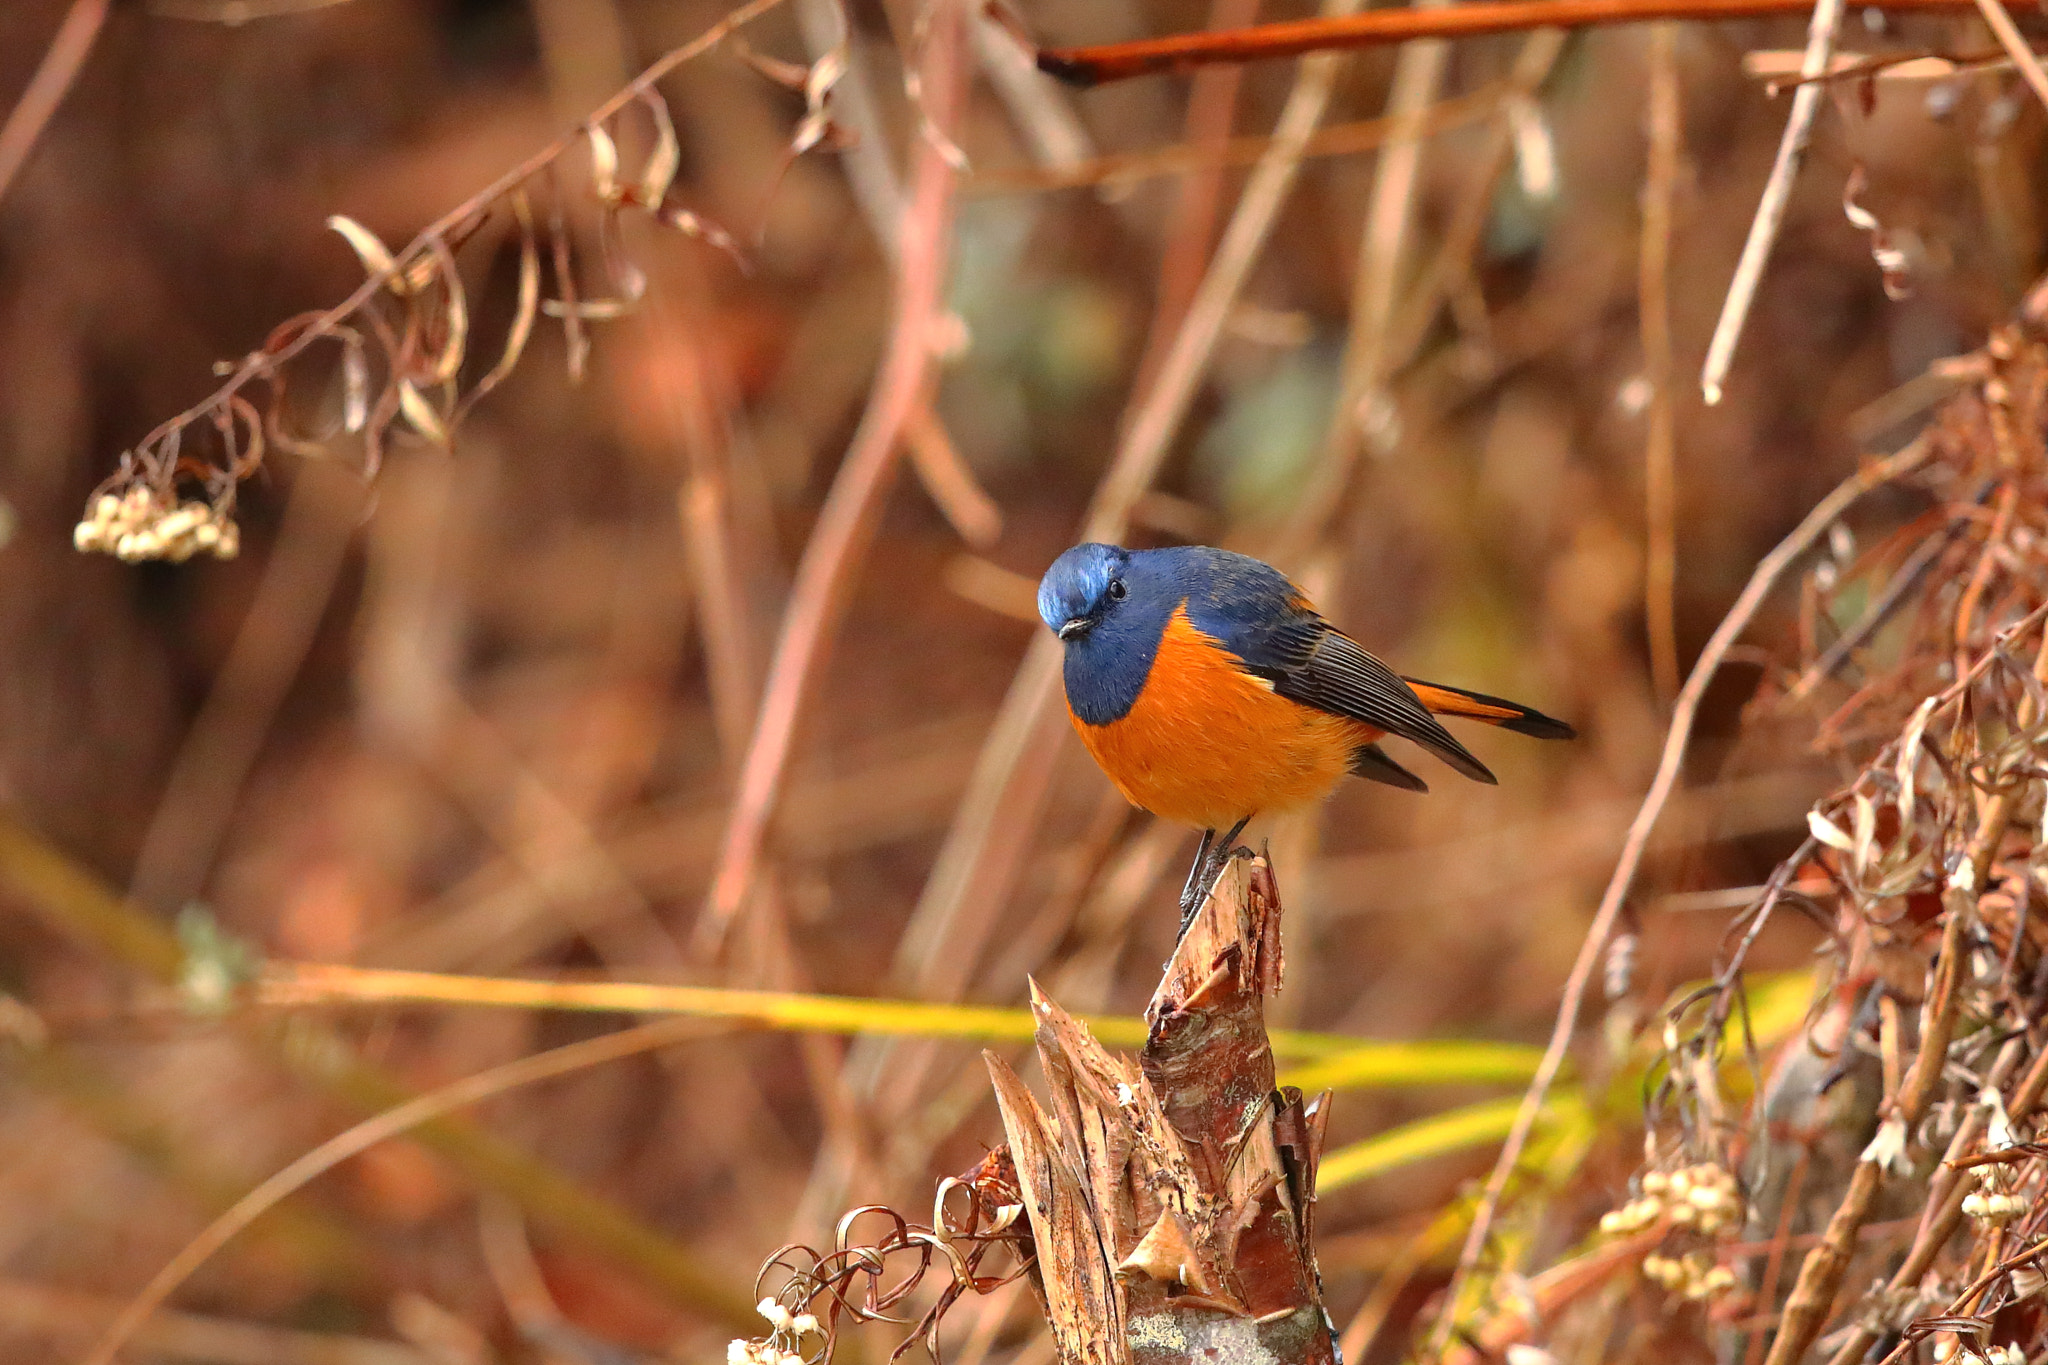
(1336, 674)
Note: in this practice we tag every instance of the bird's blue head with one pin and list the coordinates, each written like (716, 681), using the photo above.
(1081, 587)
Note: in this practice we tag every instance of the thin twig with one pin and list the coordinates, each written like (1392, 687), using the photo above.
(367, 1134)
(846, 524)
(1770, 209)
(1370, 354)
(320, 327)
(1894, 593)
(982, 853)
(66, 54)
(1181, 158)
(1684, 714)
(945, 474)
(1820, 1278)
(1660, 474)
(1211, 113)
(2016, 47)
(1184, 51)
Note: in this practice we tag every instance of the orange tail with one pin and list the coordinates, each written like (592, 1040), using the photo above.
(1508, 715)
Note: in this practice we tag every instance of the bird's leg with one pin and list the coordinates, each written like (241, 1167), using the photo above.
(1187, 891)
(1210, 860)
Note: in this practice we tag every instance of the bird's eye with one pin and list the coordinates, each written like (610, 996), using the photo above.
(1116, 590)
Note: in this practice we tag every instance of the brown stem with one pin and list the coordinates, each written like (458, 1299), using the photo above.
(1683, 715)
(1820, 1278)
(846, 525)
(47, 88)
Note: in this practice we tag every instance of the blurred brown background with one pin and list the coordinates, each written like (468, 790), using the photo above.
(477, 717)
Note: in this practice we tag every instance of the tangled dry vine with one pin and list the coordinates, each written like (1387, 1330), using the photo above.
(403, 359)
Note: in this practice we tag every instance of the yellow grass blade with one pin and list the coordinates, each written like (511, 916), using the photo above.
(1362, 1066)
(1342, 1062)
(1438, 1135)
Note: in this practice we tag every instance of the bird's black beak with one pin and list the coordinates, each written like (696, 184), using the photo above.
(1076, 628)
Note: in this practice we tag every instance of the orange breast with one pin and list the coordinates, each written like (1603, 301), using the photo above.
(1207, 743)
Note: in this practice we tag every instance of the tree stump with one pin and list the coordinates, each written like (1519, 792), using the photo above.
(1171, 1200)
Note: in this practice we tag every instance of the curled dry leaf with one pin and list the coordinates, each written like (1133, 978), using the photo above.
(455, 314)
(1884, 248)
(420, 413)
(604, 163)
(369, 248)
(667, 157)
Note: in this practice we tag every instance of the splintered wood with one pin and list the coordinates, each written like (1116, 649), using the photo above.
(1171, 1199)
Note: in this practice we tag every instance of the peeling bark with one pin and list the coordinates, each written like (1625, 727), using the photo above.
(1171, 1199)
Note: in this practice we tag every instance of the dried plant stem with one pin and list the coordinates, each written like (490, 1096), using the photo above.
(198, 800)
(367, 1134)
(1212, 111)
(2016, 47)
(982, 854)
(74, 903)
(432, 239)
(1770, 209)
(1660, 473)
(1672, 760)
(1945, 1202)
(67, 52)
(1185, 51)
(824, 577)
(1383, 248)
(1124, 168)
(1820, 1278)
(945, 474)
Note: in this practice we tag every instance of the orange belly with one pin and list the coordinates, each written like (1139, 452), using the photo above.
(1208, 744)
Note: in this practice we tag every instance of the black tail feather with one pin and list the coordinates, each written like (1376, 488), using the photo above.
(1508, 715)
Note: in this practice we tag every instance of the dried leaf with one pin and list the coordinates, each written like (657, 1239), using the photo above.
(592, 310)
(1535, 149)
(667, 158)
(696, 225)
(1884, 250)
(420, 413)
(455, 315)
(369, 249)
(629, 281)
(529, 305)
(604, 162)
(565, 282)
(789, 75)
(355, 385)
(1829, 833)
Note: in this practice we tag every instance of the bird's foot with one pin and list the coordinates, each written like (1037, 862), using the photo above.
(1210, 862)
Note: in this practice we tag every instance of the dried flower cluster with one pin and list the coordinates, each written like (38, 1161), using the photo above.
(139, 524)
(1701, 1199)
(786, 1342)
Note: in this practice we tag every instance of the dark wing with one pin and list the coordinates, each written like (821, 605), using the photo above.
(1263, 619)
(1335, 674)
(1370, 761)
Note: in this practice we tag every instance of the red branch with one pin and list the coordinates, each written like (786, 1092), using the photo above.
(1183, 51)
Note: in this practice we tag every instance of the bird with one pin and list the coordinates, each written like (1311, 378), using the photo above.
(1210, 690)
